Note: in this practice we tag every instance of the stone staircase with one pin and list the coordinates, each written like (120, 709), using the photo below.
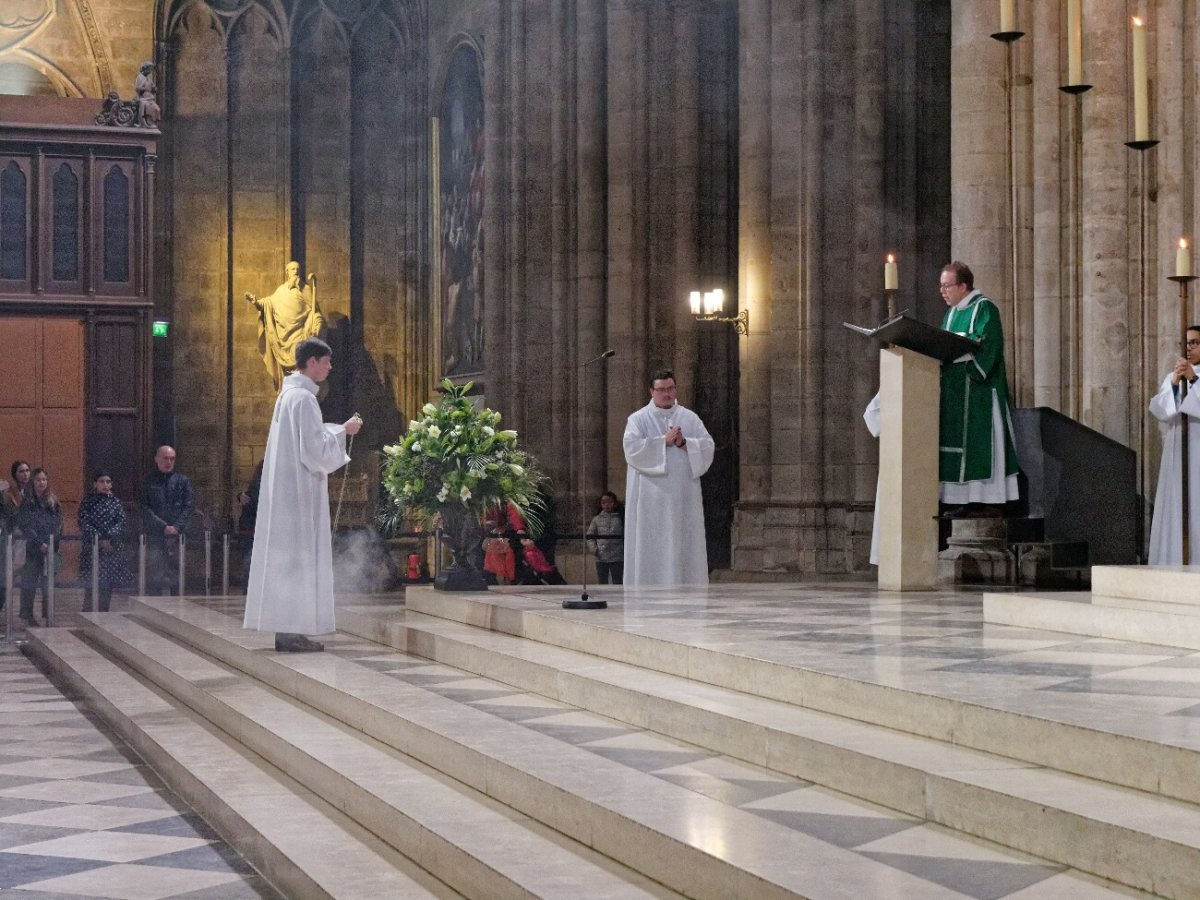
(332, 772)
(1147, 604)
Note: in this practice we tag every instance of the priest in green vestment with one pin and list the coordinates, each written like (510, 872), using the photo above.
(977, 459)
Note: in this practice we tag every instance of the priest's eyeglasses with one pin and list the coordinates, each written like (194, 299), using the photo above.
(1193, 343)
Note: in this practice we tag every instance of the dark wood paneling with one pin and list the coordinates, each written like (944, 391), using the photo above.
(118, 401)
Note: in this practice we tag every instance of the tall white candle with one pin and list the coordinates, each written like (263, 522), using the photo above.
(1008, 17)
(1183, 259)
(891, 275)
(1141, 83)
(1074, 42)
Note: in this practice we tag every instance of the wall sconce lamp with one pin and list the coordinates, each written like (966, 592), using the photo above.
(709, 306)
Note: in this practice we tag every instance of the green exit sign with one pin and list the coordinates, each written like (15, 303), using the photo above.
(160, 328)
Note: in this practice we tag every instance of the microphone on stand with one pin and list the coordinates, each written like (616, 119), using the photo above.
(584, 602)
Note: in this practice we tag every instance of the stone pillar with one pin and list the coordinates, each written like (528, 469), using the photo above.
(1111, 330)
(1054, 262)
(590, 319)
(754, 266)
(629, 320)
(979, 192)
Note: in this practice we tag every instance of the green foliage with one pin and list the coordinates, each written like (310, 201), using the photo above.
(456, 455)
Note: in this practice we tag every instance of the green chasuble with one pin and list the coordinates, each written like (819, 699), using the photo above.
(968, 386)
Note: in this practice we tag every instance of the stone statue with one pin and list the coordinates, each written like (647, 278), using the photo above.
(141, 112)
(147, 97)
(287, 317)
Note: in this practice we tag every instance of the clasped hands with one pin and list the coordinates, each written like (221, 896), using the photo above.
(1183, 369)
(675, 437)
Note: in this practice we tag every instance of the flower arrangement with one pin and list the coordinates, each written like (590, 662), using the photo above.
(456, 459)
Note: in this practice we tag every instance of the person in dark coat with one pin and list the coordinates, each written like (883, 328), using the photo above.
(12, 493)
(40, 520)
(101, 517)
(166, 503)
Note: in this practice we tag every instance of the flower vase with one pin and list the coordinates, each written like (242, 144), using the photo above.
(462, 532)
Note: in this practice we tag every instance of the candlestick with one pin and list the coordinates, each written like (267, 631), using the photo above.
(1141, 84)
(1183, 259)
(891, 275)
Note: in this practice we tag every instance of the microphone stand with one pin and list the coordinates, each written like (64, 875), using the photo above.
(584, 602)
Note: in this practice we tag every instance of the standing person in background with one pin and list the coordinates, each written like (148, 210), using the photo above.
(978, 458)
(1174, 409)
(12, 493)
(667, 448)
(40, 519)
(166, 503)
(606, 540)
(102, 517)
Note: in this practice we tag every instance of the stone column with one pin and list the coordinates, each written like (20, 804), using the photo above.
(979, 193)
(590, 323)
(1055, 266)
(1111, 330)
(629, 320)
(754, 251)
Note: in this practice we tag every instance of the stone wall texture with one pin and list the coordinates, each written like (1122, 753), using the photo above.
(637, 150)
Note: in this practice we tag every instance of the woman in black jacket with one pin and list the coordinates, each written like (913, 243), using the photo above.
(40, 519)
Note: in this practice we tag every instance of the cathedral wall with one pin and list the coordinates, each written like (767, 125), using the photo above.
(1081, 270)
(841, 164)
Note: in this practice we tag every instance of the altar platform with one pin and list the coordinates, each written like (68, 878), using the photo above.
(734, 740)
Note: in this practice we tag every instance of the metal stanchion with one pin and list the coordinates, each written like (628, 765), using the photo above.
(141, 565)
(182, 565)
(207, 562)
(11, 600)
(437, 551)
(225, 565)
(48, 589)
(94, 606)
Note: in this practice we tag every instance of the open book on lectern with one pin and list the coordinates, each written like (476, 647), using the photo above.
(928, 340)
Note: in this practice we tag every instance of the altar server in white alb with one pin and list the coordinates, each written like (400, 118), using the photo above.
(871, 416)
(1166, 529)
(291, 568)
(667, 448)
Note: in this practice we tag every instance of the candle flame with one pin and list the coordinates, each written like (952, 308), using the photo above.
(1183, 243)
(1137, 23)
(891, 258)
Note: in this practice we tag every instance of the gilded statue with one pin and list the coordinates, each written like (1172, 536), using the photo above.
(287, 317)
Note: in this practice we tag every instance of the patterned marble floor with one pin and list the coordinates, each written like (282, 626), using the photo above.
(973, 868)
(82, 816)
(929, 643)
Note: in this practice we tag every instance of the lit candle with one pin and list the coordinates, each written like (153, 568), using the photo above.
(718, 301)
(891, 276)
(1074, 43)
(1183, 259)
(1008, 18)
(694, 302)
(1141, 85)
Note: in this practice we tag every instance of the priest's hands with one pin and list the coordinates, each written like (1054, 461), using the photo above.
(1183, 369)
(675, 437)
(353, 424)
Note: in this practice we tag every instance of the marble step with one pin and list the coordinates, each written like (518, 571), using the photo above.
(1166, 624)
(473, 843)
(280, 828)
(692, 843)
(1159, 584)
(1139, 839)
(1093, 749)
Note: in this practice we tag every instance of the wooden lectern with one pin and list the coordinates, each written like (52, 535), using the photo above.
(909, 393)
